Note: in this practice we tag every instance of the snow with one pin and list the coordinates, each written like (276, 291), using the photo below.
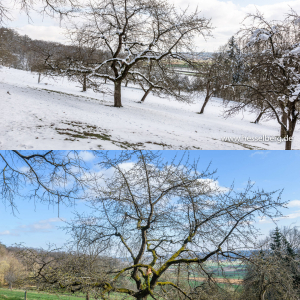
(296, 50)
(259, 34)
(57, 115)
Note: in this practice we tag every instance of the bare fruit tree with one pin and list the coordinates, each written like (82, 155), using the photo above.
(52, 177)
(131, 32)
(211, 77)
(157, 79)
(272, 56)
(161, 216)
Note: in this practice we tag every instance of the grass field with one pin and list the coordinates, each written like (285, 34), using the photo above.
(6, 294)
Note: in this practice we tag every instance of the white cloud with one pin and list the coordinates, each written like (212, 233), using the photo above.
(259, 153)
(126, 166)
(40, 226)
(6, 232)
(294, 203)
(264, 220)
(87, 155)
(24, 169)
(226, 18)
(41, 32)
(293, 215)
(213, 185)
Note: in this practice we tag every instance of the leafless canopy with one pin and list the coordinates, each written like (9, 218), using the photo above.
(272, 57)
(133, 31)
(158, 215)
(49, 7)
(51, 177)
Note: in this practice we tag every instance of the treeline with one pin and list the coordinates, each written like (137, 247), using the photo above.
(11, 268)
(272, 271)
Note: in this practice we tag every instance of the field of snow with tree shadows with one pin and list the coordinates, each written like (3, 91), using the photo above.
(57, 115)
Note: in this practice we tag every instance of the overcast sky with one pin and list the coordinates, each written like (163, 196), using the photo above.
(226, 18)
(37, 225)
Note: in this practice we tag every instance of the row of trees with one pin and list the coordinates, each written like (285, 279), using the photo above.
(141, 42)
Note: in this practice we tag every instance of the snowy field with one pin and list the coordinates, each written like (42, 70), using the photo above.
(57, 115)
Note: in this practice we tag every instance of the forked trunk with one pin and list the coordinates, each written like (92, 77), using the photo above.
(146, 94)
(117, 94)
(259, 117)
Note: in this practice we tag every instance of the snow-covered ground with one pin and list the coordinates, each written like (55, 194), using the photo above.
(57, 115)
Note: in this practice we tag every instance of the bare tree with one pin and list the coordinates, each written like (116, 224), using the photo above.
(158, 78)
(158, 215)
(211, 77)
(273, 270)
(55, 268)
(51, 177)
(50, 7)
(273, 65)
(132, 31)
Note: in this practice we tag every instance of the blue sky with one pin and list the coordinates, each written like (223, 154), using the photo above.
(36, 225)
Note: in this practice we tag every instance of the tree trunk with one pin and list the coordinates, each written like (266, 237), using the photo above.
(283, 132)
(288, 144)
(117, 94)
(39, 79)
(84, 83)
(204, 104)
(259, 117)
(87, 296)
(178, 281)
(126, 83)
(146, 94)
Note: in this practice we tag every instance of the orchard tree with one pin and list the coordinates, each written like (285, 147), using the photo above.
(133, 31)
(51, 177)
(158, 78)
(161, 216)
(273, 69)
(211, 77)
